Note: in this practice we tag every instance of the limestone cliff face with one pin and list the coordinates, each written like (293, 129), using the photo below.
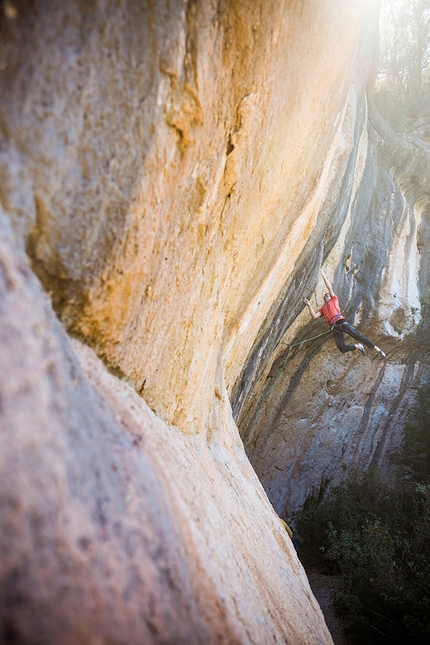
(192, 167)
(326, 412)
(117, 528)
(174, 173)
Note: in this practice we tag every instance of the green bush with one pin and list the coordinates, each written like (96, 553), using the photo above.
(341, 507)
(380, 539)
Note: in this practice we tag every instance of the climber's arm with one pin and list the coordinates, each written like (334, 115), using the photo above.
(311, 311)
(327, 283)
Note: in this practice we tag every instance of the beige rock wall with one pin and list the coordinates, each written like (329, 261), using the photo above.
(116, 528)
(163, 165)
(173, 155)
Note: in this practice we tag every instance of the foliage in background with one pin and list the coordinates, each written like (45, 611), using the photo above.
(379, 538)
(403, 88)
(392, 104)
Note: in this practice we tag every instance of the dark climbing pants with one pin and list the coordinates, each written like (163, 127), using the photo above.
(344, 326)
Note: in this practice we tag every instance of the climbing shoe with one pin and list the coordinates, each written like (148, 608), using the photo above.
(382, 354)
(361, 348)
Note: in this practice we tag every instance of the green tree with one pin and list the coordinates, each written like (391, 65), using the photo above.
(379, 536)
(403, 88)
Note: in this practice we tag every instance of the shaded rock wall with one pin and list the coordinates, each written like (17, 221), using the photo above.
(163, 170)
(326, 412)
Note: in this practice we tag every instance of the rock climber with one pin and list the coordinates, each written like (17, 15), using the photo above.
(331, 313)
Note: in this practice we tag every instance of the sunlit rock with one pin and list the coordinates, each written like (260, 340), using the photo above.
(175, 174)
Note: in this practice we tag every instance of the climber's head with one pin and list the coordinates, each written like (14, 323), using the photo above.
(327, 297)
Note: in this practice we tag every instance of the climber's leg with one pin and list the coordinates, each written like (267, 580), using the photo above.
(340, 340)
(352, 331)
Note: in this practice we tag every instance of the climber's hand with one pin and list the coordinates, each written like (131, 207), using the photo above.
(306, 301)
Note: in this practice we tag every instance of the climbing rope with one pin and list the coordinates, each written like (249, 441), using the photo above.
(290, 347)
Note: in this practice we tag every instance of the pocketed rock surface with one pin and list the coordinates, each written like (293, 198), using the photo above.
(172, 177)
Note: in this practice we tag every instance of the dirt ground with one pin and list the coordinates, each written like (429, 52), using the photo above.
(324, 588)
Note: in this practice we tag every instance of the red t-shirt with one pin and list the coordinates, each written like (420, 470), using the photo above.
(330, 310)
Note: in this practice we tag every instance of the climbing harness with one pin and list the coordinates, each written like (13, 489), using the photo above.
(334, 319)
(336, 325)
(290, 347)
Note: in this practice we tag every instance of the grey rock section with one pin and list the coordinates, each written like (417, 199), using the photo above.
(290, 302)
(324, 412)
